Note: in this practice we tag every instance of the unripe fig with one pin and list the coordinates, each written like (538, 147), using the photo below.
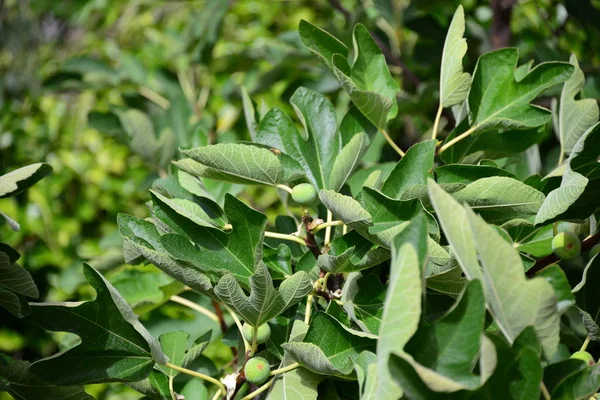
(566, 245)
(584, 356)
(262, 335)
(595, 250)
(257, 370)
(304, 194)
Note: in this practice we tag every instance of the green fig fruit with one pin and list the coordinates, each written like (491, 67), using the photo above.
(304, 194)
(262, 335)
(566, 245)
(257, 370)
(584, 356)
(595, 250)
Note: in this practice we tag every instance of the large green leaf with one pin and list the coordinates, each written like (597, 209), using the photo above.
(454, 83)
(141, 241)
(452, 216)
(390, 217)
(347, 160)
(587, 299)
(328, 347)
(143, 141)
(350, 253)
(402, 308)
(517, 375)
(363, 298)
(490, 144)
(15, 284)
(577, 196)
(299, 384)
(321, 42)
(575, 116)
(466, 173)
(413, 169)
(175, 346)
(20, 179)
(16, 379)
(368, 80)
(345, 208)
(202, 212)
(238, 163)
(498, 100)
(579, 385)
(498, 199)
(264, 302)
(445, 352)
(317, 146)
(236, 252)
(115, 346)
(514, 301)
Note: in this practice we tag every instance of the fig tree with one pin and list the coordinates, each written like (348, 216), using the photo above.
(263, 334)
(584, 356)
(304, 194)
(566, 245)
(257, 370)
(595, 250)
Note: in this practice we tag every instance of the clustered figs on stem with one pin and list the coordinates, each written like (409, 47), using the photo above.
(566, 245)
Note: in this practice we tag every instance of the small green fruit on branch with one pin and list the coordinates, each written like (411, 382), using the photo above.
(583, 356)
(566, 245)
(304, 194)
(595, 250)
(262, 335)
(540, 264)
(257, 370)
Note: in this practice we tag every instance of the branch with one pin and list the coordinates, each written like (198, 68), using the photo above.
(337, 4)
(219, 313)
(310, 241)
(552, 258)
(502, 13)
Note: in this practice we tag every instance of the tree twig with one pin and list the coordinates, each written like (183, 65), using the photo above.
(219, 314)
(310, 241)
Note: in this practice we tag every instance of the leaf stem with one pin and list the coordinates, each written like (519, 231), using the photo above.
(436, 123)
(217, 395)
(171, 390)
(195, 307)
(555, 228)
(585, 344)
(197, 375)
(561, 157)
(308, 312)
(284, 187)
(457, 139)
(258, 391)
(254, 338)
(283, 370)
(328, 228)
(239, 326)
(391, 142)
(325, 279)
(325, 225)
(285, 236)
(545, 392)
(154, 97)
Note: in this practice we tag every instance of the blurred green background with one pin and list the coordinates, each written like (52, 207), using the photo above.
(106, 91)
